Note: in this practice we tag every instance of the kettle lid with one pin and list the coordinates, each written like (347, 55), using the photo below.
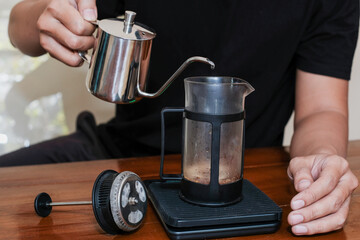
(127, 29)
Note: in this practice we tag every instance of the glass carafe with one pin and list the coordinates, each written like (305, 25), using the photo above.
(213, 140)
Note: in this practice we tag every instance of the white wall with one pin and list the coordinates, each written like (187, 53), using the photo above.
(354, 97)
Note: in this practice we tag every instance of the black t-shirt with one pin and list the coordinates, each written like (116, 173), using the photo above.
(260, 41)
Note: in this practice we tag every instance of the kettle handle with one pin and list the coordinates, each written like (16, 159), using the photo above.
(83, 54)
(86, 57)
(175, 75)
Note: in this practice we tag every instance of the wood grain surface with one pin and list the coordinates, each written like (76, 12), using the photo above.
(264, 167)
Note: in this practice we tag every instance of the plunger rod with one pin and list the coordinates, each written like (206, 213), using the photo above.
(43, 203)
(69, 203)
(132, 201)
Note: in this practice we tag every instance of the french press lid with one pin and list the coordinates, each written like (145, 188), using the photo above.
(127, 29)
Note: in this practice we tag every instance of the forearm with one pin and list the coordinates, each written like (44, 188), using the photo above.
(325, 132)
(23, 31)
(321, 115)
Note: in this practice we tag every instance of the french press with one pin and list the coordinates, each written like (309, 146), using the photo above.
(213, 140)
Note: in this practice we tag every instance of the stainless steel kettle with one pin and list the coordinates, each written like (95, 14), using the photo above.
(118, 68)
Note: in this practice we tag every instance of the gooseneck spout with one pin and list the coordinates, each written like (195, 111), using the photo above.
(175, 75)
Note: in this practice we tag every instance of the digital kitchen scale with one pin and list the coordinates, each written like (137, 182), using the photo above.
(256, 213)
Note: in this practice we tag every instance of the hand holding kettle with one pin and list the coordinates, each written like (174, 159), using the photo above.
(118, 68)
(66, 32)
(65, 29)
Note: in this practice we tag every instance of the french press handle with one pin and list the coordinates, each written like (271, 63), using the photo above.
(162, 175)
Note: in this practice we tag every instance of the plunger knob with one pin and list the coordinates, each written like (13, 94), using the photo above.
(41, 204)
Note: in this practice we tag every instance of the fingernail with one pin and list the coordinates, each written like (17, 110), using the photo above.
(299, 229)
(89, 14)
(297, 204)
(303, 184)
(295, 219)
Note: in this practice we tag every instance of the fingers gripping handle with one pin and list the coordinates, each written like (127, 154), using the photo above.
(83, 54)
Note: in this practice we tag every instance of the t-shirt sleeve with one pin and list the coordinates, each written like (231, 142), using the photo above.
(109, 8)
(328, 44)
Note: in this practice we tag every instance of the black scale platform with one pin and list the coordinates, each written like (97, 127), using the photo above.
(256, 213)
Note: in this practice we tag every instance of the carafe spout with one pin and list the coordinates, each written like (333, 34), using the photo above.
(249, 89)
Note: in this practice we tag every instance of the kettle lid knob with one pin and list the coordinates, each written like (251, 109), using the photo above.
(129, 21)
(127, 28)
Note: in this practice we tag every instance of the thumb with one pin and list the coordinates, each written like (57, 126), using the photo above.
(301, 174)
(87, 9)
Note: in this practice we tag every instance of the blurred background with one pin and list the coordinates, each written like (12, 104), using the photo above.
(41, 97)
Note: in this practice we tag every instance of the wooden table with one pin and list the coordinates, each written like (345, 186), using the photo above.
(264, 167)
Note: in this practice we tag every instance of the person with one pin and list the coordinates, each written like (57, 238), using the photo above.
(296, 54)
